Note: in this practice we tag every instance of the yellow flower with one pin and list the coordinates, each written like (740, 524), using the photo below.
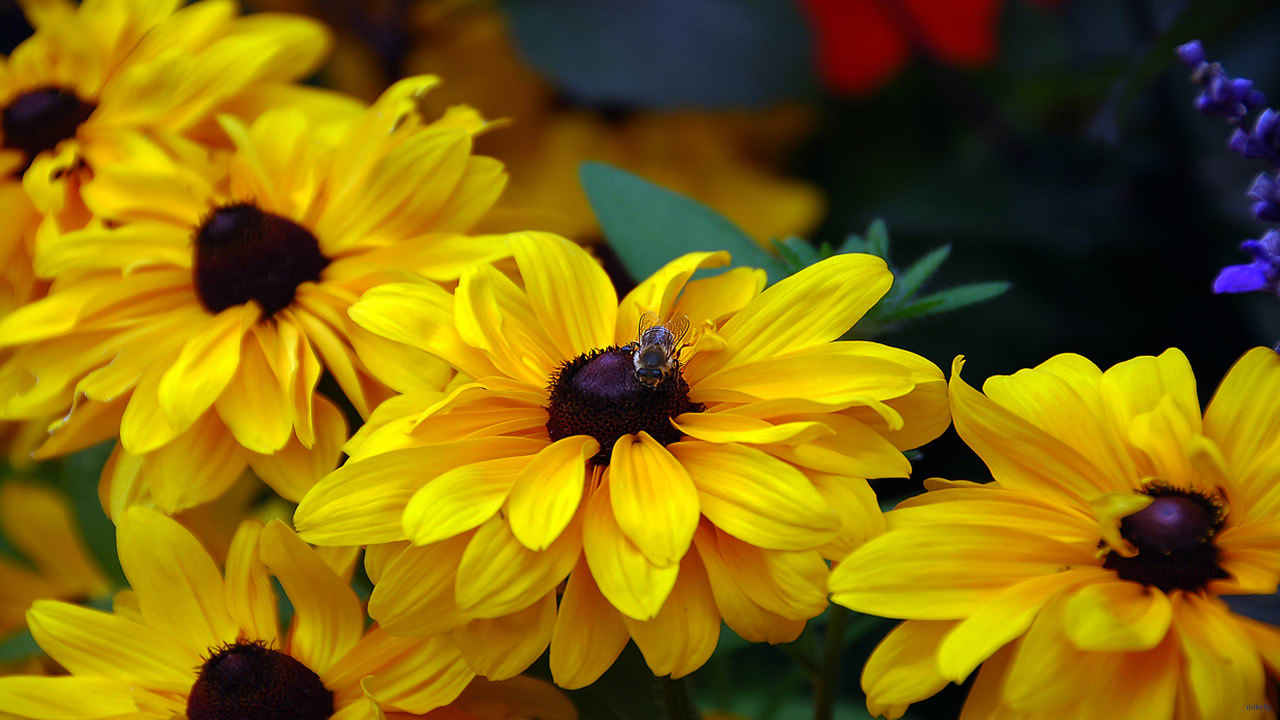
(39, 522)
(1087, 579)
(204, 301)
(714, 493)
(728, 160)
(188, 642)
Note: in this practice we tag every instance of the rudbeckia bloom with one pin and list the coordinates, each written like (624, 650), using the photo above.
(669, 501)
(190, 642)
(204, 301)
(1087, 580)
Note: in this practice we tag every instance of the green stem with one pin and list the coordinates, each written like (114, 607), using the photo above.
(824, 691)
(678, 699)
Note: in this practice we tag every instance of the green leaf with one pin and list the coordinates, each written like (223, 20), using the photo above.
(648, 225)
(952, 299)
(878, 239)
(909, 281)
(18, 647)
(796, 253)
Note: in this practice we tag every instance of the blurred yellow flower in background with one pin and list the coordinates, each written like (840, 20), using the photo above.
(728, 160)
(1087, 580)
(200, 307)
(38, 521)
(187, 641)
(715, 493)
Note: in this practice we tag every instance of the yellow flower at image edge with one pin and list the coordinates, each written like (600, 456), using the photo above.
(1087, 580)
(668, 502)
(189, 642)
(202, 304)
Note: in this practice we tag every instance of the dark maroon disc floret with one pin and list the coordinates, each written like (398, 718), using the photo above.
(1174, 537)
(243, 254)
(39, 119)
(597, 394)
(250, 681)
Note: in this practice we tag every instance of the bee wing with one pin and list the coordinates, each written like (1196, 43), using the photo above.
(647, 320)
(679, 327)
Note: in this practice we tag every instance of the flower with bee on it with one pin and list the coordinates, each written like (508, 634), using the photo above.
(714, 494)
(657, 348)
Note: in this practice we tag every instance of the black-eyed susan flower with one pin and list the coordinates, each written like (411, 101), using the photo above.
(708, 488)
(189, 641)
(1087, 580)
(38, 521)
(204, 301)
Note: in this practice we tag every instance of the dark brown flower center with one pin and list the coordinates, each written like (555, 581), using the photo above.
(1174, 537)
(598, 394)
(249, 681)
(243, 254)
(38, 120)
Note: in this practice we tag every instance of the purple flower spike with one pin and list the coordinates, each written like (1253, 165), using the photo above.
(1191, 54)
(1263, 274)
(1265, 192)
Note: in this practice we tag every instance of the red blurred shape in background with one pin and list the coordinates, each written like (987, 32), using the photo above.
(863, 43)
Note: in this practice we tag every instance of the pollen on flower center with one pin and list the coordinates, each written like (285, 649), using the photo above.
(1174, 537)
(39, 119)
(249, 681)
(243, 254)
(597, 394)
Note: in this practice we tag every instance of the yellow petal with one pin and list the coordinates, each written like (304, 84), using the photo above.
(125, 248)
(531, 696)
(419, 315)
(903, 668)
(120, 486)
(1164, 436)
(855, 503)
(855, 449)
(624, 575)
(569, 292)
(741, 613)
(757, 498)
(294, 469)
(493, 314)
(589, 633)
(431, 675)
(658, 292)
(1221, 670)
(251, 600)
(327, 618)
(498, 575)
(460, 499)
(196, 467)
(177, 583)
(684, 634)
(781, 319)
(1246, 429)
(95, 643)
(789, 584)
(1020, 455)
(255, 406)
(1117, 616)
(414, 593)
(548, 491)
(56, 698)
(1136, 386)
(912, 573)
(144, 425)
(363, 502)
(503, 647)
(716, 298)
(1004, 617)
(38, 521)
(653, 499)
(1110, 509)
(836, 373)
(723, 427)
(205, 366)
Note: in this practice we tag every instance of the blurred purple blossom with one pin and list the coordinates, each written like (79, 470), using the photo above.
(1220, 94)
(1260, 275)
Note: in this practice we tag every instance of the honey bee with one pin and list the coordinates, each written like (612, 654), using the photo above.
(656, 347)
